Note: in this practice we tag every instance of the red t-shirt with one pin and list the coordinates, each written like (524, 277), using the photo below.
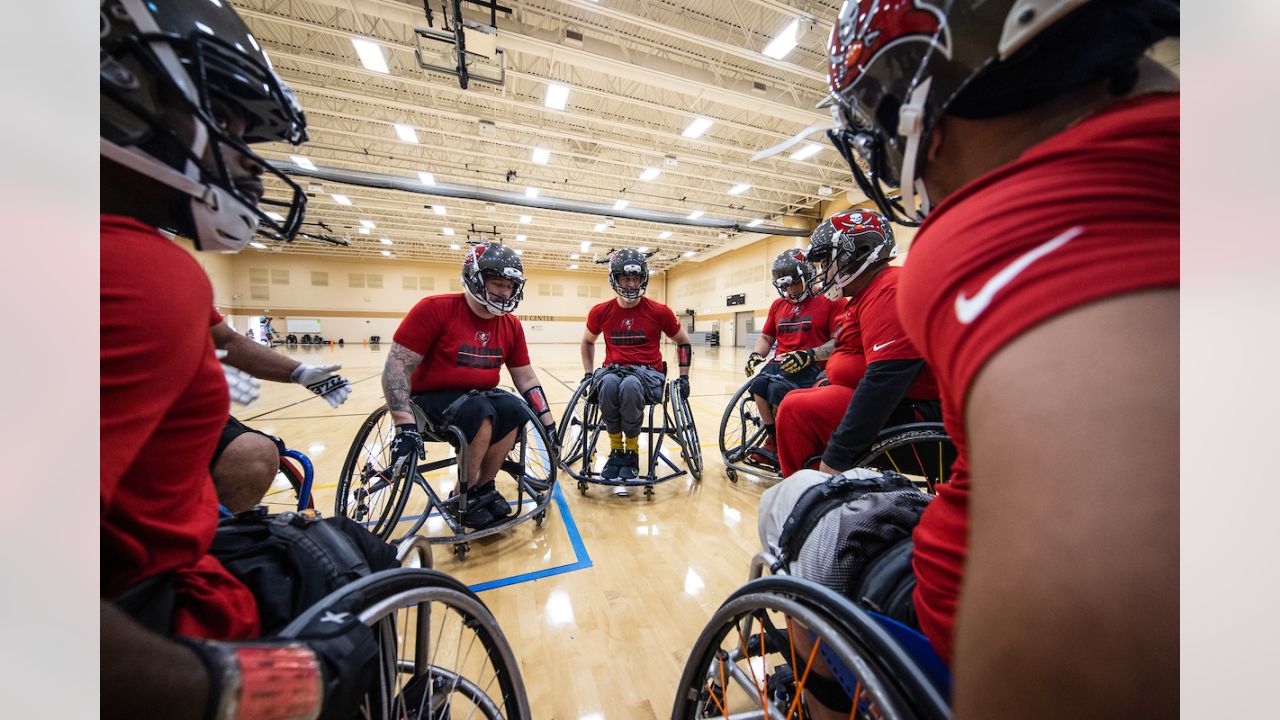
(460, 350)
(163, 403)
(631, 335)
(870, 331)
(801, 326)
(1088, 214)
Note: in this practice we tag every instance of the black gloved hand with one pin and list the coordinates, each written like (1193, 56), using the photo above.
(682, 386)
(588, 376)
(796, 360)
(754, 361)
(554, 436)
(407, 445)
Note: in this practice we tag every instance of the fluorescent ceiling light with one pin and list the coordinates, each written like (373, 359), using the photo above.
(531, 192)
(455, 246)
(364, 231)
(447, 231)
(519, 251)
(573, 266)
(618, 205)
(784, 42)
(806, 151)
(341, 199)
(643, 248)
(522, 238)
(600, 227)
(385, 241)
(755, 222)
(739, 188)
(689, 253)
(585, 244)
(302, 162)
(426, 177)
(368, 223)
(650, 173)
(574, 256)
(697, 127)
(557, 96)
(370, 55)
(386, 253)
(275, 216)
(439, 210)
(664, 234)
(258, 245)
(696, 214)
(541, 155)
(405, 132)
(526, 219)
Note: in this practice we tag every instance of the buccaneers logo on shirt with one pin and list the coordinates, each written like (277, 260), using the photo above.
(797, 324)
(482, 337)
(478, 356)
(627, 336)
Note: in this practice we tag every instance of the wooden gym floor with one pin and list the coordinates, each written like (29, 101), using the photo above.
(603, 602)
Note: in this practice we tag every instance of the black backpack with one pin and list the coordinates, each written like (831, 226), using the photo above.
(292, 560)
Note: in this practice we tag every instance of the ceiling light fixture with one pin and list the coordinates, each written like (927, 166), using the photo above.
(522, 238)
(531, 192)
(341, 199)
(697, 127)
(650, 173)
(557, 96)
(447, 231)
(405, 132)
(439, 210)
(426, 177)
(385, 241)
(619, 204)
(364, 231)
(370, 55)
(584, 245)
(258, 245)
(573, 266)
(664, 234)
(806, 151)
(574, 256)
(643, 248)
(386, 253)
(755, 222)
(696, 214)
(368, 223)
(302, 162)
(541, 155)
(739, 188)
(526, 219)
(455, 246)
(600, 227)
(784, 42)
(689, 253)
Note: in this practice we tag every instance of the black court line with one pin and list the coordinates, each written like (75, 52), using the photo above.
(313, 397)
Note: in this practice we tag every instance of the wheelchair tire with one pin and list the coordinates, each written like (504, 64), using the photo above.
(421, 618)
(686, 431)
(366, 474)
(573, 433)
(719, 678)
(290, 470)
(921, 451)
(741, 427)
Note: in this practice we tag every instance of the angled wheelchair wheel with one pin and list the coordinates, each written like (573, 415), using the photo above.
(741, 427)
(921, 451)
(781, 647)
(572, 427)
(442, 654)
(685, 431)
(288, 487)
(368, 491)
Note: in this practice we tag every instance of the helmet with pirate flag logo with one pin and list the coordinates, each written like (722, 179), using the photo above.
(493, 260)
(789, 268)
(629, 262)
(846, 244)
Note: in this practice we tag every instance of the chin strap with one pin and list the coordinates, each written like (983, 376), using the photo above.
(911, 126)
(537, 400)
(684, 354)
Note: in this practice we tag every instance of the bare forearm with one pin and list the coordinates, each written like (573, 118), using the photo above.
(763, 343)
(396, 377)
(823, 351)
(257, 360)
(146, 675)
(588, 356)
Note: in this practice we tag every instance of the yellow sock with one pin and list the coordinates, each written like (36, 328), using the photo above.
(633, 443)
(615, 441)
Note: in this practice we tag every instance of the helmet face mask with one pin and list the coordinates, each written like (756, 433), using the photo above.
(489, 261)
(629, 263)
(164, 68)
(845, 245)
(791, 268)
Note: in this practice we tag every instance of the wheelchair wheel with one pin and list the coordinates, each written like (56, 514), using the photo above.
(368, 492)
(769, 650)
(572, 428)
(442, 654)
(741, 427)
(287, 487)
(921, 451)
(686, 434)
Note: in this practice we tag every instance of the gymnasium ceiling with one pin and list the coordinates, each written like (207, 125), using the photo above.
(638, 72)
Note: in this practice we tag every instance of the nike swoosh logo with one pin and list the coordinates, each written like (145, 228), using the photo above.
(876, 348)
(968, 309)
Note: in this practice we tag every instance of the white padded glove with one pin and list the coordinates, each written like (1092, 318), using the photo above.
(324, 381)
(244, 388)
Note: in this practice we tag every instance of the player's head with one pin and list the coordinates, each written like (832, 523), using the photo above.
(185, 89)
(629, 273)
(895, 68)
(846, 245)
(493, 274)
(793, 275)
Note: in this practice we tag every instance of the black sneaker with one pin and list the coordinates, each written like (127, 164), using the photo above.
(630, 465)
(497, 504)
(477, 515)
(613, 465)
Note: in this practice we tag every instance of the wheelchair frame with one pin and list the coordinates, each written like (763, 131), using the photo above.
(586, 427)
(398, 487)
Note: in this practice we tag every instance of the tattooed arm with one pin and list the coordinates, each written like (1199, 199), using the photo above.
(401, 362)
(823, 351)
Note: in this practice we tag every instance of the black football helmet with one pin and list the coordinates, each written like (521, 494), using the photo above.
(792, 266)
(628, 262)
(163, 67)
(845, 245)
(896, 66)
(493, 260)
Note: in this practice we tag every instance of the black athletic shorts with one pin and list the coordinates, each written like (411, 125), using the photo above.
(234, 429)
(502, 409)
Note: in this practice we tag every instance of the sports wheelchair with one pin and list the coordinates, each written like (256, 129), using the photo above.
(581, 427)
(370, 492)
(922, 451)
(441, 652)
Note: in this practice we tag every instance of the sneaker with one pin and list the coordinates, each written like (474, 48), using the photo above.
(630, 465)
(613, 465)
(766, 454)
(497, 504)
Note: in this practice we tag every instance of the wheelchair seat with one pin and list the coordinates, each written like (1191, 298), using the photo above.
(370, 492)
(670, 417)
